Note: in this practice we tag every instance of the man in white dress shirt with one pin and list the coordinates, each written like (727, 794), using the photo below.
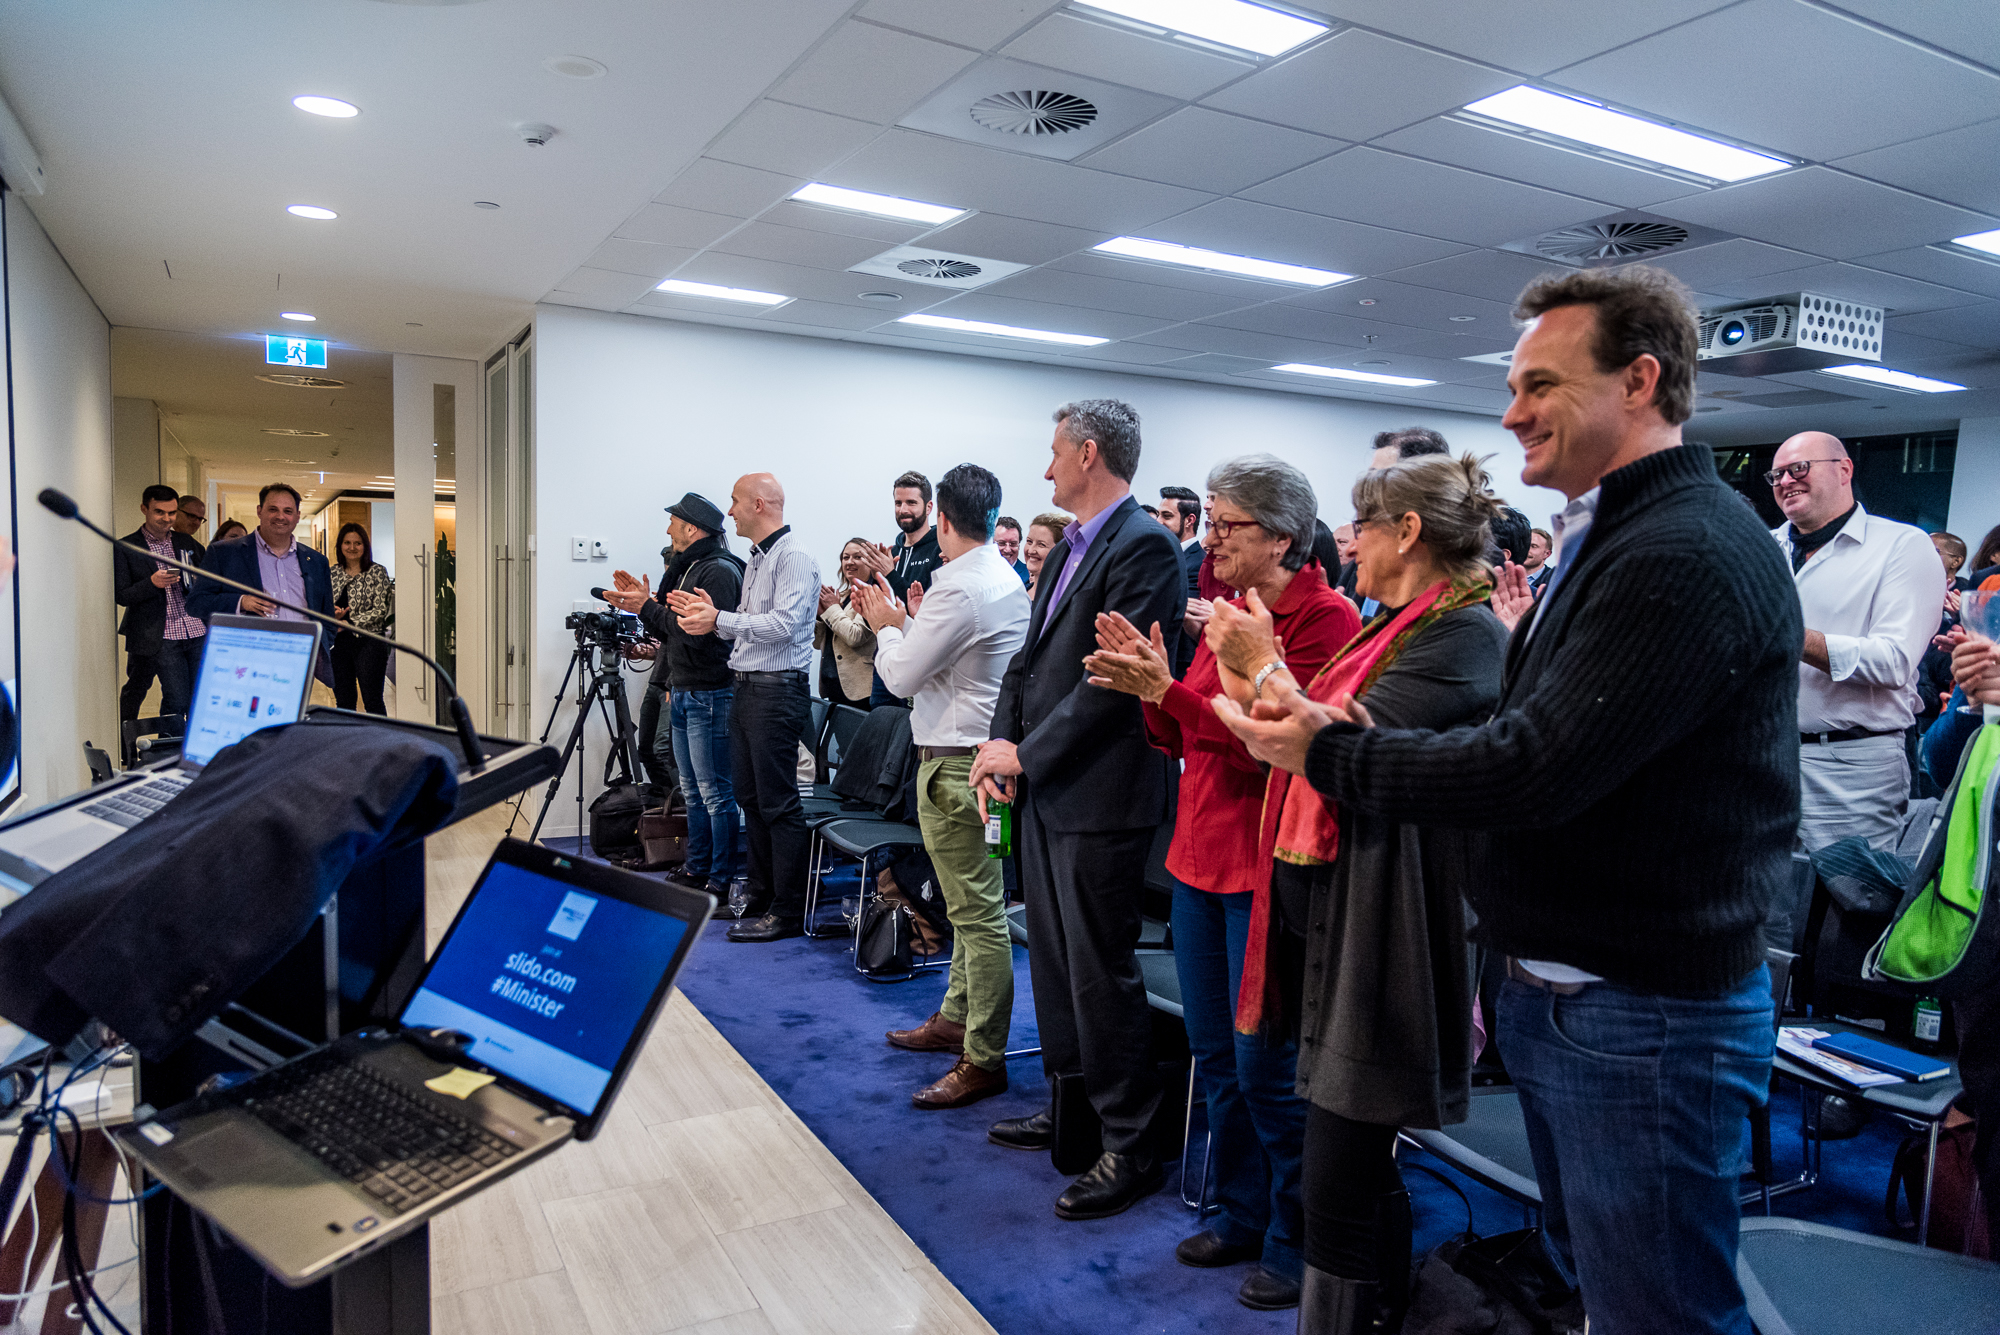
(948, 663)
(1871, 590)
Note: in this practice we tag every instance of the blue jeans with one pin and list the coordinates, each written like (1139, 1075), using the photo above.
(700, 724)
(1256, 1119)
(1635, 1105)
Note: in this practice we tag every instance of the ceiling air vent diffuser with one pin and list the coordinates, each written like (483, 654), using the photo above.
(928, 267)
(1034, 113)
(1611, 241)
(936, 268)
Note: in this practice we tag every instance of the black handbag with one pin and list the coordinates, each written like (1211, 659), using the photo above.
(882, 944)
(1502, 1285)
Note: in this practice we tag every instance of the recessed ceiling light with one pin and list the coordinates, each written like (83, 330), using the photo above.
(1888, 379)
(1338, 373)
(1986, 241)
(1365, 301)
(678, 288)
(484, 204)
(310, 211)
(1193, 257)
(1378, 361)
(575, 67)
(1600, 127)
(1247, 27)
(326, 106)
(1461, 319)
(1000, 330)
(882, 206)
(885, 298)
(300, 316)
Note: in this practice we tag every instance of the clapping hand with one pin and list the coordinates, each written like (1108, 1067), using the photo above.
(876, 557)
(1512, 598)
(1280, 732)
(1124, 662)
(878, 606)
(1195, 619)
(695, 611)
(628, 594)
(828, 597)
(916, 598)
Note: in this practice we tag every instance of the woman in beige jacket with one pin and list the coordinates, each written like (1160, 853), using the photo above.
(843, 630)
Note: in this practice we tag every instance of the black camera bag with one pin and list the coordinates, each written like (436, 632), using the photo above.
(614, 821)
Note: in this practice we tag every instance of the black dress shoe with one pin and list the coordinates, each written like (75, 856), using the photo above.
(1207, 1251)
(770, 927)
(1111, 1187)
(1036, 1131)
(1266, 1292)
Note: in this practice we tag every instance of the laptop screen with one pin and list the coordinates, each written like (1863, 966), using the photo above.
(552, 981)
(252, 677)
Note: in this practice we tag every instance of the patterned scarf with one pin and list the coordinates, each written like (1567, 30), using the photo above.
(1308, 824)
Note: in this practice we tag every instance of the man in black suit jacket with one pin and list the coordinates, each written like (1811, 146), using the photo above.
(161, 637)
(1180, 515)
(1090, 791)
(302, 574)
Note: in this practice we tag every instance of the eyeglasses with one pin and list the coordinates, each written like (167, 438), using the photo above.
(1222, 528)
(1797, 472)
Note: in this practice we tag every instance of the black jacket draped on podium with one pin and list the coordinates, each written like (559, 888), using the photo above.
(159, 930)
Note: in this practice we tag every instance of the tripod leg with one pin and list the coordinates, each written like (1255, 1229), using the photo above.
(570, 748)
(547, 728)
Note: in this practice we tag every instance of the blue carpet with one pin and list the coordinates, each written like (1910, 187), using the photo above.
(812, 1028)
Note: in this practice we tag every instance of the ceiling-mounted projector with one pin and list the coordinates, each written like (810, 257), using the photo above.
(1801, 331)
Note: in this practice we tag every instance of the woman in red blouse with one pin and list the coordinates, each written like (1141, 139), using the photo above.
(1261, 513)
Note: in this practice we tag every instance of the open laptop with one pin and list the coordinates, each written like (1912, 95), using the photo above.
(256, 672)
(554, 970)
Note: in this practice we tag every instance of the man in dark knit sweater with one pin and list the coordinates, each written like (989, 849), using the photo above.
(1640, 785)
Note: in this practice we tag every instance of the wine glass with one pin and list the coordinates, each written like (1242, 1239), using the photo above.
(850, 907)
(739, 895)
(1979, 613)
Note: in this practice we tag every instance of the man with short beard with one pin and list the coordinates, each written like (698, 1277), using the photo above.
(913, 557)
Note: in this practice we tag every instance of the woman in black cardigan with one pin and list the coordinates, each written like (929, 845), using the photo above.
(1380, 986)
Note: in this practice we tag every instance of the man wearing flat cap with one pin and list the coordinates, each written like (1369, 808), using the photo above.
(694, 669)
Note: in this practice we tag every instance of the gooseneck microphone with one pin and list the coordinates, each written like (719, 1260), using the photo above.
(62, 507)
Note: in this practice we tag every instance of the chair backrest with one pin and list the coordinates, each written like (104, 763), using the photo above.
(1781, 962)
(132, 729)
(99, 761)
(818, 731)
(844, 724)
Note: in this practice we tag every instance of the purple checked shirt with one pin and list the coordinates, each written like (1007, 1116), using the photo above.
(1079, 537)
(281, 576)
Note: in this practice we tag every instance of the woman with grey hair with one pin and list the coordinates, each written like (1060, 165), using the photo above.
(1260, 532)
(1385, 1020)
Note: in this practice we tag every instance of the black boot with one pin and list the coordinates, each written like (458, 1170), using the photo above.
(1330, 1305)
(1392, 1257)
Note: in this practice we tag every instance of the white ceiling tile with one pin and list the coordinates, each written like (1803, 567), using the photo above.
(617, 290)
(1046, 316)
(1498, 153)
(1940, 266)
(1709, 268)
(1125, 269)
(1829, 213)
(1532, 38)
(779, 137)
(668, 225)
(561, 298)
(871, 73)
(1851, 88)
(1455, 348)
(1241, 227)
(793, 280)
(841, 222)
(1109, 294)
(1065, 41)
(1941, 165)
(921, 166)
(827, 315)
(1134, 354)
(1379, 301)
(1218, 363)
(724, 187)
(1388, 190)
(1497, 275)
(1208, 150)
(1914, 350)
(1849, 282)
(1114, 109)
(981, 24)
(1965, 26)
(1318, 325)
(1976, 326)
(639, 257)
(1356, 85)
(791, 245)
(1018, 240)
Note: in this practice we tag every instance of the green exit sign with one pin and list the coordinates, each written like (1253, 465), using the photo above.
(282, 351)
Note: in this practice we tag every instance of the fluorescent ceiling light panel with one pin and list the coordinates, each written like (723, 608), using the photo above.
(310, 211)
(1193, 257)
(1001, 330)
(677, 287)
(882, 206)
(1366, 377)
(1888, 379)
(326, 106)
(1986, 241)
(1247, 27)
(1601, 127)
(297, 315)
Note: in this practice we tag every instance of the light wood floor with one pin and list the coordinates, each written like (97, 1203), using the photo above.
(703, 1206)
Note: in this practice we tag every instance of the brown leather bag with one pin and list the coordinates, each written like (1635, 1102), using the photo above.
(663, 831)
(1958, 1209)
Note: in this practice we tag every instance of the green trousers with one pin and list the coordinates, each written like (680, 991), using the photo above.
(981, 993)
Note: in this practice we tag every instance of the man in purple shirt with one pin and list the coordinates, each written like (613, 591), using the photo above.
(269, 559)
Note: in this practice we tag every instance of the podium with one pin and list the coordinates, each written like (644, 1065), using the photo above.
(355, 967)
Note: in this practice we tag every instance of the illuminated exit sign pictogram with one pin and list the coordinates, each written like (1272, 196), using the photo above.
(282, 351)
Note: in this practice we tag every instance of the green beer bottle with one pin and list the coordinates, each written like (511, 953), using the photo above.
(999, 829)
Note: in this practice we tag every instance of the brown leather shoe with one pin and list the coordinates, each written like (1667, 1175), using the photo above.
(936, 1034)
(964, 1083)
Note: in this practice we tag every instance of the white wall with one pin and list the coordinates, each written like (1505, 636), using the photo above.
(1975, 480)
(135, 460)
(633, 411)
(70, 660)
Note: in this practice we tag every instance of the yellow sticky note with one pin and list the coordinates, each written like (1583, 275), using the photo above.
(459, 1082)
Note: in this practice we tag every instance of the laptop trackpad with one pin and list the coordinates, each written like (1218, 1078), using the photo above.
(236, 1155)
(57, 840)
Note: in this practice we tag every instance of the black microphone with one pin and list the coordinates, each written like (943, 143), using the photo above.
(62, 507)
(599, 595)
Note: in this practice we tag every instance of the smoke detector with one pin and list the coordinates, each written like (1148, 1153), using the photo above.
(936, 268)
(1023, 108)
(1618, 238)
(1034, 112)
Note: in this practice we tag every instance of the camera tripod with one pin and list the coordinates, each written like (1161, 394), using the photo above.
(606, 694)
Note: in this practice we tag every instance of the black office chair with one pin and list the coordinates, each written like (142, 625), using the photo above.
(99, 761)
(141, 741)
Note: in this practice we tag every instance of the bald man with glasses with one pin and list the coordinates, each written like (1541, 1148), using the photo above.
(1871, 590)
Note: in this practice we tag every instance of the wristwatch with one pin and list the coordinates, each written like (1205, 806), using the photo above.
(1264, 675)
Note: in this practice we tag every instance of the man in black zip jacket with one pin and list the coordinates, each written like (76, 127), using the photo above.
(694, 722)
(1640, 785)
(913, 558)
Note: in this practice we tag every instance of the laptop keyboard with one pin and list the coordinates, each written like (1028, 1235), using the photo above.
(393, 1145)
(129, 806)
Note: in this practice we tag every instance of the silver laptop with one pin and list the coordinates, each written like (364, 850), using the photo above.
(517, 1037)
(255, 673)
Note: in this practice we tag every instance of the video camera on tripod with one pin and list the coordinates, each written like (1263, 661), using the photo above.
(606, 630)
(601, 640)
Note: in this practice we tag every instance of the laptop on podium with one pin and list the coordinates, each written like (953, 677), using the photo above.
(516, 1038)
